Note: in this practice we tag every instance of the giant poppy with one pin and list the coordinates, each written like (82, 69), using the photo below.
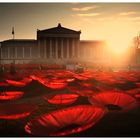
(62, 99)
(10, 95)
(65, 121)
(114, 101)
(16, 111)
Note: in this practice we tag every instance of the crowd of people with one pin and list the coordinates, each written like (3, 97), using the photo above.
(12, 68)
(78, 68)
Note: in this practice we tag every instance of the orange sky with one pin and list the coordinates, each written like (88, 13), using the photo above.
(97, 21)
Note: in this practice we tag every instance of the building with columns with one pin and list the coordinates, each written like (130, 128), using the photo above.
(53, 45)
(58, 43)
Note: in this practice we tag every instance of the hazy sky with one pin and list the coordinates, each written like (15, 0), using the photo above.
(95, 20)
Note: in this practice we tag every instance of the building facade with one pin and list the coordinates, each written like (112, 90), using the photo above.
(53, 45)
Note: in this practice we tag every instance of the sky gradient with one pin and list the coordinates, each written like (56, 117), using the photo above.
(97, 21)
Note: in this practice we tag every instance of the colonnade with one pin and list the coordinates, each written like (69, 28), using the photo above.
(58, 48)
(12, 52)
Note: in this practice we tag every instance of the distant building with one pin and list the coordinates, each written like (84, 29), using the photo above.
(93, 51)
(54, 45)
(135, 51)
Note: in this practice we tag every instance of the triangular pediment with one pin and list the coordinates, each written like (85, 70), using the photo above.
(59, 30)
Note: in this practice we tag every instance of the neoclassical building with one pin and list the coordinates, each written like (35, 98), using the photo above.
(53, 45)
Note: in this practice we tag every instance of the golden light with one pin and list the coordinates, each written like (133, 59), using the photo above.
(118, 36)
(118, 44)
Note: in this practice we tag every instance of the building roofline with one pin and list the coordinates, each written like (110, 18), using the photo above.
(92, 40)
(18, 40)
(58, 27)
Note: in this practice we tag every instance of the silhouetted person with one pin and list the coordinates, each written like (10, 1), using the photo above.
(100, 69)
(79, 68)
(1, 69)
(12, 68)
(63, 66)
(129, 67)
(40, 67)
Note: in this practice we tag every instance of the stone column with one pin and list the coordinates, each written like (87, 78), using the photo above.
(86, 52)
(73, 48)
(56, 48)
(67, 47)
(8, 52)
(44, 48)
(83, 50)
(50, 48)
(87, 55)
(39, 48)
(100, 53)
(94, 52)
(92, 49)
(30, 52)
(77, 45)
(97, 53)
(23, 52)
(0, 52)
(62, 48)
(90, 52)
(15, 52)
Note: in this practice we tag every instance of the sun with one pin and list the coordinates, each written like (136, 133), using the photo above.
(118, 44)
(118, 38)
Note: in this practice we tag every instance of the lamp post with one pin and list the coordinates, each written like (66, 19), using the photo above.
(13, 51)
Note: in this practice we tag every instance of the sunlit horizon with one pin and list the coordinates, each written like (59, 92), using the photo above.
(117, 24)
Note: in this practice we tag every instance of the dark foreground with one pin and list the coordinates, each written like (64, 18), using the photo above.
(112, 124)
